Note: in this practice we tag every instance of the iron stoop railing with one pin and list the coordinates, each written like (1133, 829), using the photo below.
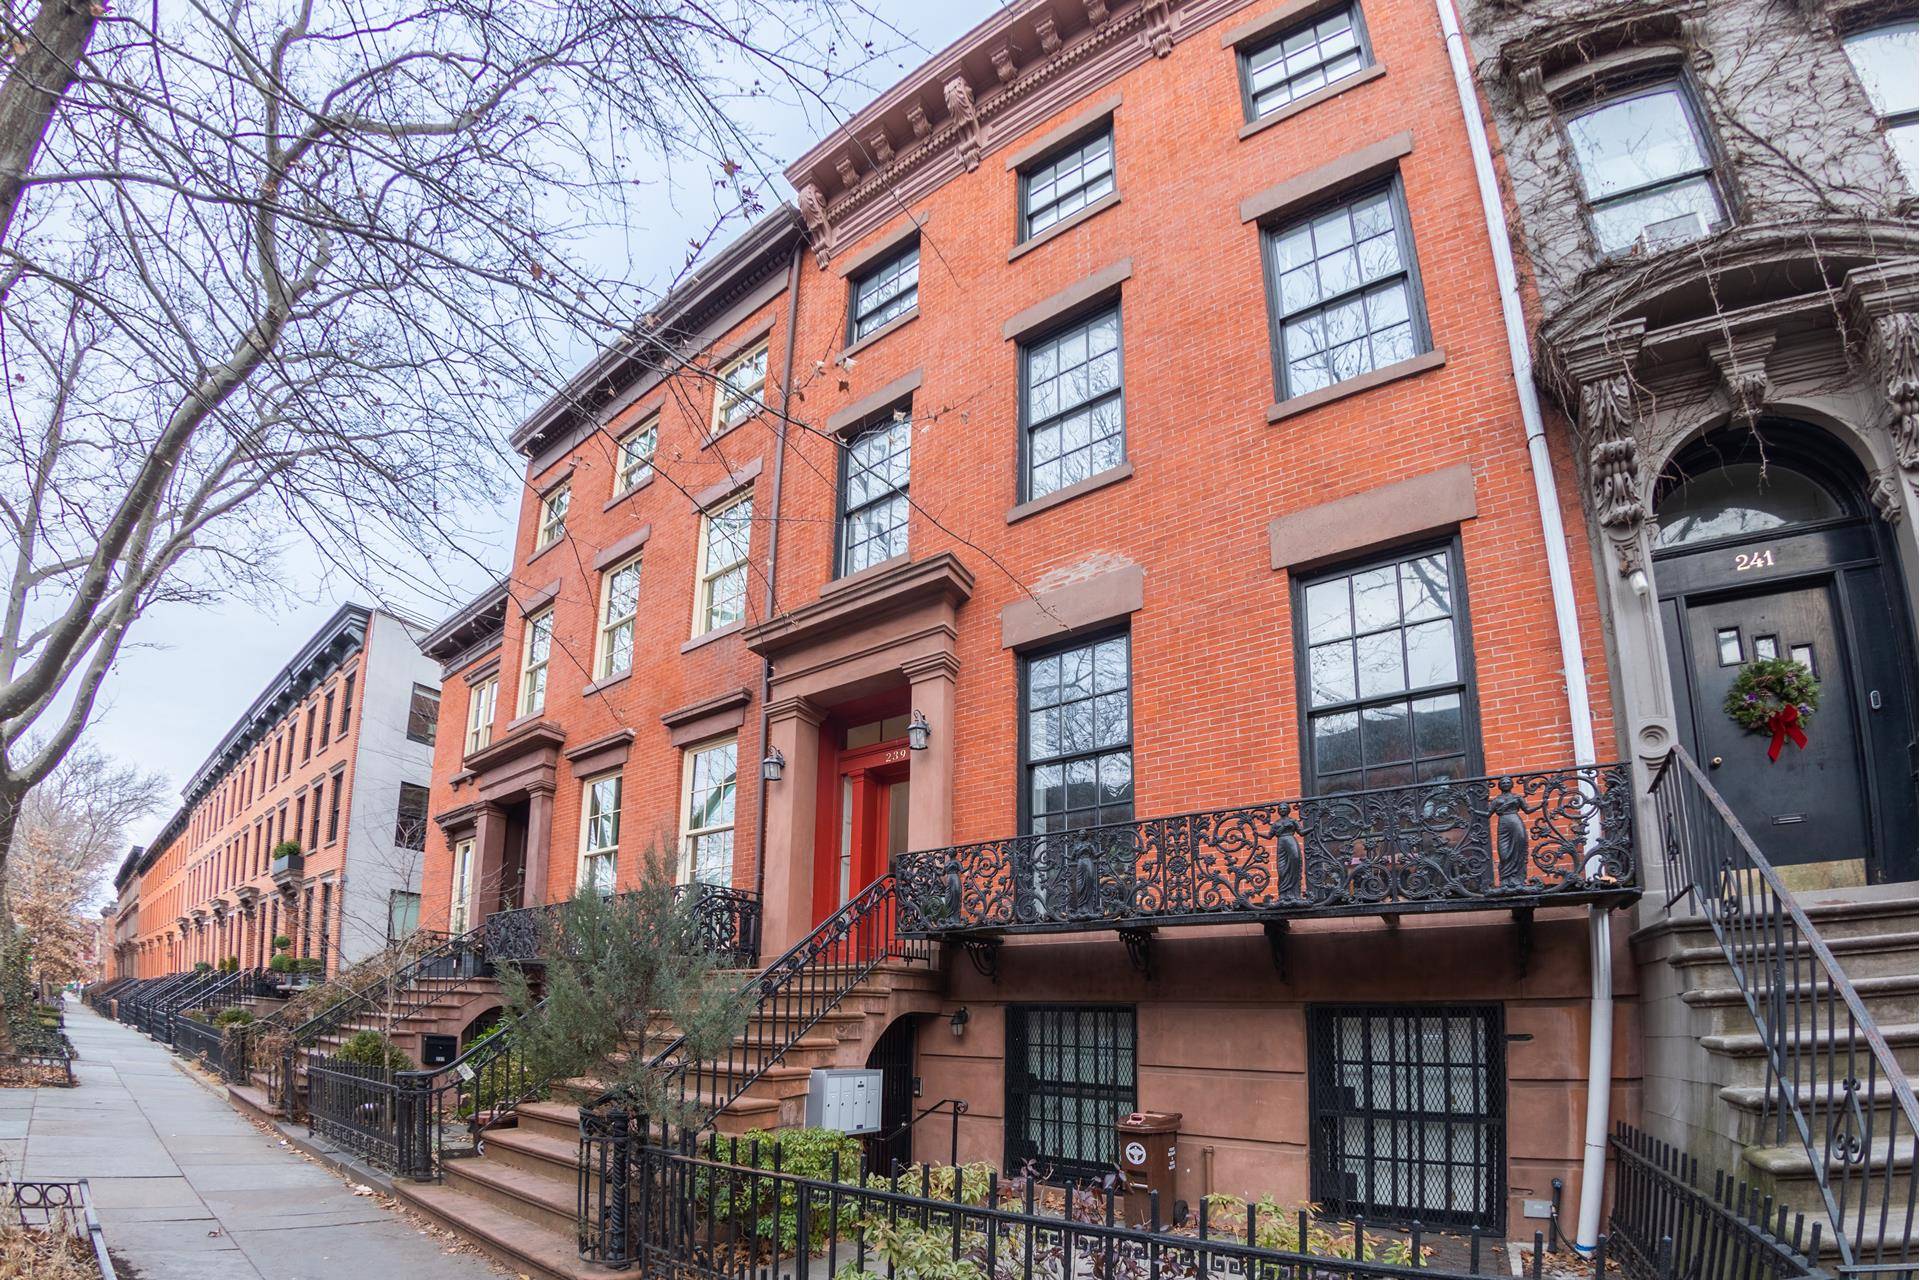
(1833, 1083)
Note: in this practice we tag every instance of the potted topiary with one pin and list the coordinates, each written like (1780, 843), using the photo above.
(203, 967)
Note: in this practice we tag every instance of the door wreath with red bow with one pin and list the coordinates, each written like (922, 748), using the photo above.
(1775, 696)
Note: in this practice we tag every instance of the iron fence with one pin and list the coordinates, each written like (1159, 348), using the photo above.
(725, 924)
(63, 1205)
(357, 1106)
(677, 1204)
(1666, 1223)
(1834, 1085)
(1511, 840)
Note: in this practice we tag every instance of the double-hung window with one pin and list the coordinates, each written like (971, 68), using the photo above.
(460, 910)
(706, 817)
(1387, 688)
(1883, 57)
(726, 534)
(886, 292)
(480, 708)
(1066, 182)
(553, 514)
(1344, 291)
(1078, 735)
(873, 495)
(1302, 59)
(537, 651)
(619, 605)
(1648, 172)
(636, 458)
(1073, 404)
(600, 834)
(742, 382)
(423, 714)
(410, 817)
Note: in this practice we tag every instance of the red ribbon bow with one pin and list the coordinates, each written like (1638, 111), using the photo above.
(1785, 724)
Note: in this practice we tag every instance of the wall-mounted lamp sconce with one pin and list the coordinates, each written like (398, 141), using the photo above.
(959, 1021)
(773, 766)
(918, 731)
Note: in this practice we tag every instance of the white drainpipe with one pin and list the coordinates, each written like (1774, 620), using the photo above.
(1560, 576)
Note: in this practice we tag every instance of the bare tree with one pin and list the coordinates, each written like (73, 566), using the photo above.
(71, 833)
(279, 268)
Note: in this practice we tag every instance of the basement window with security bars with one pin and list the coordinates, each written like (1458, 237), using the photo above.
(1408, 1113)
(1072, 1071)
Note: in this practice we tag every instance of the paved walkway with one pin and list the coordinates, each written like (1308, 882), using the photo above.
(188, 1189)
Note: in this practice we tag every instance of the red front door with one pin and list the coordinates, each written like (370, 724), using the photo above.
(864, 822)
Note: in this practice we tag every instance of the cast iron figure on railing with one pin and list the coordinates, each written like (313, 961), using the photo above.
(1511, 840)
(1833, 1083)
(726, 925)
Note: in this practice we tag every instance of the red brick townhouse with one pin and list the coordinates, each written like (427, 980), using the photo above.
(1105, 502)
(334, 755)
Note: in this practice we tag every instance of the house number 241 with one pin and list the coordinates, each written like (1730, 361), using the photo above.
(1745, 560)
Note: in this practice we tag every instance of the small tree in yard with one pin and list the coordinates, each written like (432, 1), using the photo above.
(623, 975)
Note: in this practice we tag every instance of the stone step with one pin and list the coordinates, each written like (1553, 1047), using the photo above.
(540, 1154)
(547, 1203)
(1893, 914)
(1786, 1172)
(1862, 955)
(1890, 1000)
(1745, 1053)
(1756, 1129)
(557, 1120)
(520, 1245)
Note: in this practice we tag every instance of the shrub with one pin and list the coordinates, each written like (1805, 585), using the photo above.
(1278, 1227)
(232, 1018)
(281, 942)
(371, 1049)
(230, 965)
(203, 967)
(286, 849)
(309, 964)
(281, 962)
(502, 1081)
(802, 1153)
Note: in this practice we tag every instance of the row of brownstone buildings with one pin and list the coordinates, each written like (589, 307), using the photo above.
(1135, 495)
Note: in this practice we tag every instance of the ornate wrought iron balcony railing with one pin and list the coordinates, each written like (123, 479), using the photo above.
(1506, 842)
(726, 924)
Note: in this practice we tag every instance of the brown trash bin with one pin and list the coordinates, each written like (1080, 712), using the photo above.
(1147, 1143)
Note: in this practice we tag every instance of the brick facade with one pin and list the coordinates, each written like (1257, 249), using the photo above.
(1228, 490)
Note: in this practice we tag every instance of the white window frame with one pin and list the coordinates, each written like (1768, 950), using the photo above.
(689, 833)
(599, 857)
(553, 514)
(482, 702)
(635, 463)
(734, 403)
(459, 910)
(533, 697)
(610, 625)
(705, 578)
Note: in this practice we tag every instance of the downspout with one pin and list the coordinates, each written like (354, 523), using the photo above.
(773, 564)
(1573, 661)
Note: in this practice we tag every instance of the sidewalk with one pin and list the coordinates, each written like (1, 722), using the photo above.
(188, 1189)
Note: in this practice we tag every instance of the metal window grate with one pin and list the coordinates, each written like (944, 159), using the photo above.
(1071, 1073)
(1409, 1113)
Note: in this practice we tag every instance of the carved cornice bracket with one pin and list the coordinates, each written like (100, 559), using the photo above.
(1741, 359)
(1880, 303)
(1598, 374)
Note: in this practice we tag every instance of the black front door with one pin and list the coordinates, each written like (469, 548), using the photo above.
(1810, 805)
(1765, 546)
(892, 1056)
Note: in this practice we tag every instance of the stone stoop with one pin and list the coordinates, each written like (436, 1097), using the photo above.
(517, 1199)
(1877, 944)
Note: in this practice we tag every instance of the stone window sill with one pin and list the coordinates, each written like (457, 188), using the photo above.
(1065, 225)
(707, 638)
(624, 494)
(1112, 475)
(1380, 377)
(1352, 80)
(543, 550)
(898, 322)
(605, 682)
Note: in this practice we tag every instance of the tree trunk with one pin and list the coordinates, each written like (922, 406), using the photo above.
(43, 69)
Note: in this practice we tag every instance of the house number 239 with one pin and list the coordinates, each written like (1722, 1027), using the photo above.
(1745, 560)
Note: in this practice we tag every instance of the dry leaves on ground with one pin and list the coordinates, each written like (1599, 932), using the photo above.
(36, 1255)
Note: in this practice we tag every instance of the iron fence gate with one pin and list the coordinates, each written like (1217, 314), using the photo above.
(1071, 1073)
(1409, 1113)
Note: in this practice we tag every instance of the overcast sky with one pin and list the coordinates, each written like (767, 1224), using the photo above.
(188, 674)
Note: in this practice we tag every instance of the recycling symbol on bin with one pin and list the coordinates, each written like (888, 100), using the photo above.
(1136, 1153)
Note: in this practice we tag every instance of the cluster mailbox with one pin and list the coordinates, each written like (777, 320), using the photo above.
(845, 1099)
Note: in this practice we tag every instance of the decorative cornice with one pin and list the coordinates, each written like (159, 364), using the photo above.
(1011, 73)
(939, 577)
